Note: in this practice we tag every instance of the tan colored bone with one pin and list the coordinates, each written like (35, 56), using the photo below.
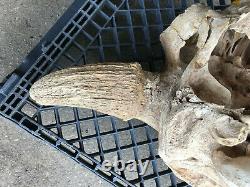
(198, 105)
(121, 90)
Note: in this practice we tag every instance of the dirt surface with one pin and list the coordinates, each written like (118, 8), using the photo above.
(24, 160)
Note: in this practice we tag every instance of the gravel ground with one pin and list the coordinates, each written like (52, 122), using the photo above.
(24, 160)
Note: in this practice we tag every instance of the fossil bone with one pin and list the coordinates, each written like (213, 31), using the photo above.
(199, 105)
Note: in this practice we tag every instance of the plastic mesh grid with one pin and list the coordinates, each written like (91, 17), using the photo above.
(100, 31)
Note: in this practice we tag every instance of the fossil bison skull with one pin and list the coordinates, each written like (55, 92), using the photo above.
(199, 105)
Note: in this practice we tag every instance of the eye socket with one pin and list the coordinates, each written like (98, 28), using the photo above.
(188, 52)
(235, 151)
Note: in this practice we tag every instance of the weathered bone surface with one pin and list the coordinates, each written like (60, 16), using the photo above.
(115, 89)
(199, 105)
(199, 140)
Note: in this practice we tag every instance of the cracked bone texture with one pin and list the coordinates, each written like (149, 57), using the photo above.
(199, 105)
(199, 140)
(115, 89)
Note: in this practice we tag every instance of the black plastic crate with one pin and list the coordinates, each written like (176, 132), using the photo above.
(94, 31)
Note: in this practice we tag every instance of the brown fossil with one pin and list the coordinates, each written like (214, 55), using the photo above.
(199, 105)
